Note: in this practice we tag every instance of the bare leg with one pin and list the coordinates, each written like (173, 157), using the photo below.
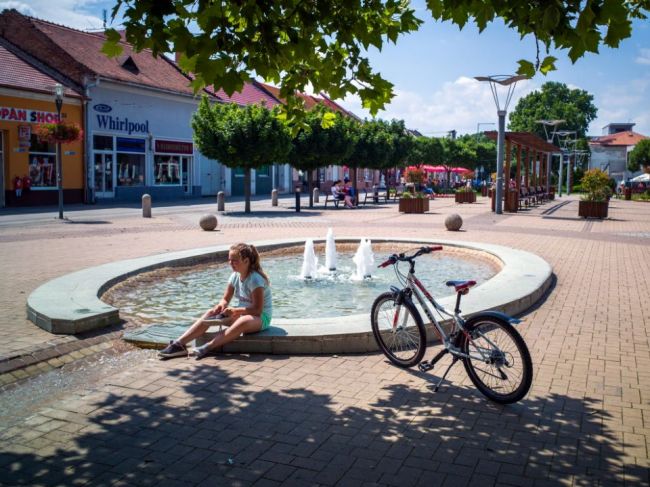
(242, 325)
(196, 330)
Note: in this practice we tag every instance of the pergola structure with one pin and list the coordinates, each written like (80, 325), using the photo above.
(536, 154)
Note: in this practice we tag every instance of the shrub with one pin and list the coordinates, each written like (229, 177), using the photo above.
(595, 185)
(414, 175)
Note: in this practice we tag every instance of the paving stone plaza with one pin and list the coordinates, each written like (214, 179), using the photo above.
(91, 410)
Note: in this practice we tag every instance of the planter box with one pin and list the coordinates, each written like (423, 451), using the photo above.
(484, 190)
(466, 197)
(413, 205)
(593, 209)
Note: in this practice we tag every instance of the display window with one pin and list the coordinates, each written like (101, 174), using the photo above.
(42, 164)
(167, 170)
(130, 161)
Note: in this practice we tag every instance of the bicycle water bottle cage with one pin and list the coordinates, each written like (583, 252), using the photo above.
(461, 286)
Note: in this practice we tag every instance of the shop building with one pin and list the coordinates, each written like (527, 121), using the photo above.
(137, 112)
(28, 167)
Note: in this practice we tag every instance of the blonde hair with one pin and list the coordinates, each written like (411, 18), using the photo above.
(246, 251)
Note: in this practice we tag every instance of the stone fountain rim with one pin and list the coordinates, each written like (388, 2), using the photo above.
(71, 304)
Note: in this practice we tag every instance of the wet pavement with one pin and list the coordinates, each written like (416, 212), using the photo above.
(124, 418)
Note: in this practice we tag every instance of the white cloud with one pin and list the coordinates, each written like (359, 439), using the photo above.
(644, 56)
(459, 105)
(625, 102)
(72, 13)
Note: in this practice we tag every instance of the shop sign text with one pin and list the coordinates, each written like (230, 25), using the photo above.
(107, 122)
(24, 115)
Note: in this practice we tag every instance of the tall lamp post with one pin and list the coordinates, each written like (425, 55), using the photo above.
(58, 100)
(565, 141)
(509, 82)
(549, 138)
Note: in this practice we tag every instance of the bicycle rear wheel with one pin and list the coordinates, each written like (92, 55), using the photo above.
(504, 374)
(398, 330)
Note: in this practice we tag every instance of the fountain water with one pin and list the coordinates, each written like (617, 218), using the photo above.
(330, 251)
(309, 261)
(364, 260)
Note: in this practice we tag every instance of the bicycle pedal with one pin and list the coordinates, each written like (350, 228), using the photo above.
(425, 366)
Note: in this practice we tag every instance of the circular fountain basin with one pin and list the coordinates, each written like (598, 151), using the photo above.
(71, 304)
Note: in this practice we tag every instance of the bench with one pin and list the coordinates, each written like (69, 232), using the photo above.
(329, 197)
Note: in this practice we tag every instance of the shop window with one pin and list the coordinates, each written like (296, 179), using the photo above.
(130, 169)
(263, 171)
(102, 142)
(167, 170)
(42, 164)
(239, 172)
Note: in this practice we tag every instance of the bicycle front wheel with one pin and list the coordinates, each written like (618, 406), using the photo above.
(398, 330)
(499, 365)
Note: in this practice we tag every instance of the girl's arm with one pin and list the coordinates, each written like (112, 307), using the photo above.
(255, 309)
(227, 296)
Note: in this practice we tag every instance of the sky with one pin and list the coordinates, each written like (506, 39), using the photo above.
(433, 70)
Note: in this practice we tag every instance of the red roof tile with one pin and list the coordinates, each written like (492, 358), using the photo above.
(250, 94)
(310, 100)
(18, 73)
(77, 54)
(619, 139)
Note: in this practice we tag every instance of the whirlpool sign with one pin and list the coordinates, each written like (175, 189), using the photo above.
(109, 122)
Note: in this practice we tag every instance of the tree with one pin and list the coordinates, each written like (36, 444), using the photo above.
(426, 150)
(248, 137)
(297, 44)
(640, 156)
(401, 145)
(316, 146)
(554, 101)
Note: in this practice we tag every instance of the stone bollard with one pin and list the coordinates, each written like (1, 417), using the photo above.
(316, 193)
(221, 201)
(208, 222)
(297, 200)
(453, 222)
(274, 197)
(146, 206)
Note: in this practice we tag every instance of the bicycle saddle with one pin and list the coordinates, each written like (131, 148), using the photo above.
(461, 285)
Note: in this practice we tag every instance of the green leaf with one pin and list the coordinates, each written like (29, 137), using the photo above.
(112, 47)
(328, 120)
(526, 68)
(551, 18)
(548, 64)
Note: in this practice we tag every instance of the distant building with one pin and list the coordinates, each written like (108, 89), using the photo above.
(610, 151)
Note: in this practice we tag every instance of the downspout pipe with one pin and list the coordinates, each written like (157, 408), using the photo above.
(90, 174)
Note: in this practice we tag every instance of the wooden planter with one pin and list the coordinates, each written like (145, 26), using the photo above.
(466, 197)
(413, 205)
(593, 209)
(484, 191)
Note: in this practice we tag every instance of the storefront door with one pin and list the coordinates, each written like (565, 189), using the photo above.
(104, 175)
(2, 172)
(186, 166)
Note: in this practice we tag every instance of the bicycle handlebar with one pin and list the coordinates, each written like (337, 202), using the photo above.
(394, 258)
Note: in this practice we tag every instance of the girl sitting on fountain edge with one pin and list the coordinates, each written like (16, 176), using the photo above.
(253, 290)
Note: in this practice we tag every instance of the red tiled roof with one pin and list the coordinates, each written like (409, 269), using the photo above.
(19, 74)
(310, 100)
(250, 94)
(620, 139)
(77, 54)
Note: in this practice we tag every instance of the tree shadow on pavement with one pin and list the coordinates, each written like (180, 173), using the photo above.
(191, 423)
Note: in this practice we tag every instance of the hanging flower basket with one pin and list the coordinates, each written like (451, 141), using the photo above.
(62, 132)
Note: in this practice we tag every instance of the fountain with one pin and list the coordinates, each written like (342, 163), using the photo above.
(330, 251)
(309, 261)
(364, 260)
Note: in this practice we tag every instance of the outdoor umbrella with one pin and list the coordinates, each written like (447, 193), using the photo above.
(643, 178)
(460, 170)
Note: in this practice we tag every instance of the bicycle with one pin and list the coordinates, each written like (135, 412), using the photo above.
(494, 354)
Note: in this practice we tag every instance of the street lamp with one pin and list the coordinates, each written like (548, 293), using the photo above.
(564, 136)
(58, 100)
(549, 139)
(509, 82)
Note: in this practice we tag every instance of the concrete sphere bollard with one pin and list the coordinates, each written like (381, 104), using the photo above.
(208, 222)
(274, 197)
(453, 222)
(316, 195)
(146, 206)
(221, 201)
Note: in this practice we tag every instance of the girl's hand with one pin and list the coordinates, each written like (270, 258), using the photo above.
(228, 311)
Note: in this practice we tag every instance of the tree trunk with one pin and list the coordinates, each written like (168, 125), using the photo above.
(247, 190)
(310, 187)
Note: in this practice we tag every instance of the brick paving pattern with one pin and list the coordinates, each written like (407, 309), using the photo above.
(347, 419)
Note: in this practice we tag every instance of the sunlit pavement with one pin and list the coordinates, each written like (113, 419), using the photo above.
(346, 420)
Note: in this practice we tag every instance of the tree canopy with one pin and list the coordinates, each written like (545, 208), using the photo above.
(247, 137)
(640, 156)
(554, 101)
(323, 44)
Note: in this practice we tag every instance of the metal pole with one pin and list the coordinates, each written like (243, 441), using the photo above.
(568, 174)
(498, 208)
(559, 178)
(59, 164)
(549, 162)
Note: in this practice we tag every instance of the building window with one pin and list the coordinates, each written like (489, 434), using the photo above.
(167, 171)
(264, 171)
(42, 164)
(239, 172)
(130, 161)
(103, 142)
